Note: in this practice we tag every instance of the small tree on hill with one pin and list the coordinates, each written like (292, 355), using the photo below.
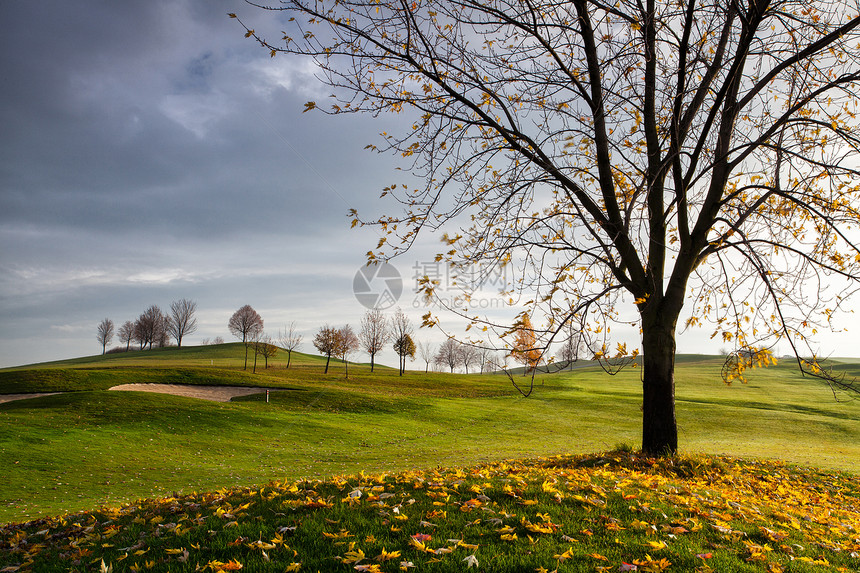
(374, 334)
(485, 357)
(104, 333)
(525, 350)
(247, 325)
(289, 339)
(573, 346)
(346, 343)
(126, 333)
(149, 327)
(468, 355)
(404, 346)
(426, 351)
(401, 327)
(448, 354)
(326, 342)
(181, 321)
(264, 347)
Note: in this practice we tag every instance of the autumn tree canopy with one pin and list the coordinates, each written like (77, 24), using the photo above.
(525, 347)
(327, 341)
(632, 158)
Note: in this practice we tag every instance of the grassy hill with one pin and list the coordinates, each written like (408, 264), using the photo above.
(89, 447)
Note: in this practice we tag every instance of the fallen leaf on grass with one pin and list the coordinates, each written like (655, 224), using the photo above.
(387, 555)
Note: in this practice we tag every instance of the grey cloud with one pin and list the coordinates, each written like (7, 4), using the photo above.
(149, 152)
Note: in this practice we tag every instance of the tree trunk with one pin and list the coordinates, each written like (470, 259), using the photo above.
(246, 355)
(371, 361)
(327, 360)
(659, 427)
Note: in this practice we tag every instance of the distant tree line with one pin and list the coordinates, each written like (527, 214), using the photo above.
(156, 328)
(153, 327)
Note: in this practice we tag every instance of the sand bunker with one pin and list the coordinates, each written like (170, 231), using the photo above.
(214, 393)
(11, 397)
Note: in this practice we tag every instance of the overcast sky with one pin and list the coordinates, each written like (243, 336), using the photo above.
(149, 152)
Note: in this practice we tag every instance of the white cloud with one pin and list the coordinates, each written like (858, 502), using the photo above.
(196, 113)
(293, 74)
(71, 328)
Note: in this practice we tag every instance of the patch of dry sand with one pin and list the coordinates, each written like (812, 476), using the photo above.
(11, 397)
(214, 393)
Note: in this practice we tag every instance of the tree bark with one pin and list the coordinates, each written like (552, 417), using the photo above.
(659, 427)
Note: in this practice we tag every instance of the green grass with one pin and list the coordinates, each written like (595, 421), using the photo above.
(76, 451)
(603, 512)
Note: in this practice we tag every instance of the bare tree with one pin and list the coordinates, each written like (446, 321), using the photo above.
(486, 356)
(468, 356)
(346, 343)
(149, 327)
(247, 325)
(635, 156)
(572, 347)
(139, 335)
(181, 321)
(104, 333)
(401, 327)
(427, 352)
(263, 347)
(326, 342)
(374, 333)
(449, 353)
(289, 339)
(162, 332)
(126, 333)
